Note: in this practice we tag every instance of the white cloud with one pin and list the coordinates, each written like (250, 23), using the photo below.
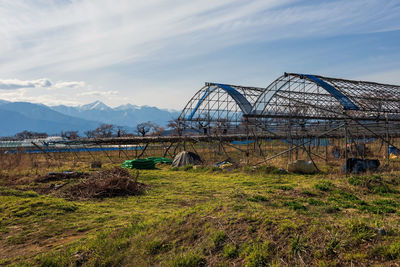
(12, 84)
(58, 85)
(52, 93)
(98, 93)
(390, 77)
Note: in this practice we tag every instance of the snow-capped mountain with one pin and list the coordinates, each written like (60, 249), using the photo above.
(125, 115)
(19, 116)
(97, 105)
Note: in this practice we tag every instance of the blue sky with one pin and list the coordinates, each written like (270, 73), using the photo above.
(160, 53)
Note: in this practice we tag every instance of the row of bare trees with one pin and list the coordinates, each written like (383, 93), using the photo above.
(108, 130)
(142, 129)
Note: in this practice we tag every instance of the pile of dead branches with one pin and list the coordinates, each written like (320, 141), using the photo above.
(107, 183)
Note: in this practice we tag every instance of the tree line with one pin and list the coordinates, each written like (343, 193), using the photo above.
(108, 130)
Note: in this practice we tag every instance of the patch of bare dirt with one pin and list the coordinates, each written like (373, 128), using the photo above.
(33, 247)
(59, 176)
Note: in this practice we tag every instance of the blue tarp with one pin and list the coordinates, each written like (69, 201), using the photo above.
(64, 150)
(242, 142)
(242, 102)
(198, 104)
(313, 142)
(394, 150)
(347, 103)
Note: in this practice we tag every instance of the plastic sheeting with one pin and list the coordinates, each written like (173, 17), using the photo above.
(347, 103)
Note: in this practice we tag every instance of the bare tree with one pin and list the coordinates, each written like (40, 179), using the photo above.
(90, 134)
(157, 130)
(176, 127)
(29, 135)
(121, 131)
(70, 135)
(144, 128)
(104, 130)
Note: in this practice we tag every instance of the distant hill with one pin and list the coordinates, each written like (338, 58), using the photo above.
(124, 115)
(19, 116)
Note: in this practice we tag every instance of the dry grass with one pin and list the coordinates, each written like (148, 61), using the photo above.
(106, 183)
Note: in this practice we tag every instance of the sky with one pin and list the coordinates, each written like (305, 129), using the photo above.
(161, 52)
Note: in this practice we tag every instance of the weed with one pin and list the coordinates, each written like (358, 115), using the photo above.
(238, 207)
(361, 232)
(230, 251)
(294, 205)
(189, 260)
(157, 246)
(332, 246)
(188, 167)
(298, 245)
(248, 183)
(308, 193)
(4, 191)
(323, 186)
(348, 196)
(331, 209)
(388, 252)
(284, 187)
(377, 209)
(257, 254)
(315, 202)
(355, 180)
(218, 238)
(257, 198)
(373, 183)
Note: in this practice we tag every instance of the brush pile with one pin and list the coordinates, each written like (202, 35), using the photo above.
(107, 183)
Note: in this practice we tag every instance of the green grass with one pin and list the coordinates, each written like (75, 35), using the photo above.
(200, 216)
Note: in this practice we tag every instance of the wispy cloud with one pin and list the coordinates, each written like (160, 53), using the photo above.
(85, 46)
(85, 35)
(98, 93)
(69, 84)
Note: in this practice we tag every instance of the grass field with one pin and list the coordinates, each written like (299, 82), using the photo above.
(205, 216)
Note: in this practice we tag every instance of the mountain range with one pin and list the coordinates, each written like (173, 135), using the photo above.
(19, 116)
